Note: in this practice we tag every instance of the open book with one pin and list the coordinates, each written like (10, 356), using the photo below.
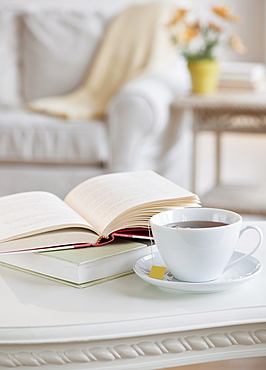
(91, 213)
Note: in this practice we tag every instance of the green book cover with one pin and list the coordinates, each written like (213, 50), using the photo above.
(81, 267)
(82, 255)
(66, 282)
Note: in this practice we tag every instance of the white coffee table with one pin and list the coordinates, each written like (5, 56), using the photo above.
(127, 323)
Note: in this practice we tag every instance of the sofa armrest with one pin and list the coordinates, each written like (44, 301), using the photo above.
(138, 117)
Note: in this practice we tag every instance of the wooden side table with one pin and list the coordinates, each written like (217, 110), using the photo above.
(219, 113)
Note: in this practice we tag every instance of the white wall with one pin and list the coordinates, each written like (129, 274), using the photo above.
(251, 30)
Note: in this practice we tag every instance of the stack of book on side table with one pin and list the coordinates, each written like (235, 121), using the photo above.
(96, 234)
(241, 77)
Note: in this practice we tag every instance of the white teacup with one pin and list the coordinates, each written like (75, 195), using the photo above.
(199, 254)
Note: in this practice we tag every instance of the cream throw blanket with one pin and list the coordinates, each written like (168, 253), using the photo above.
(135, 43)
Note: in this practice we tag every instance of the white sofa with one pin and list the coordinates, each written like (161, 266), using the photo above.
(46, 49)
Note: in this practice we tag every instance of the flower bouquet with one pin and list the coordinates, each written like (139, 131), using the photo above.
(199, 40)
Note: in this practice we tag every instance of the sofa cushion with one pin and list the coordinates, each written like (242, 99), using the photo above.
(35, 138)
(9, 61)
(58, 49)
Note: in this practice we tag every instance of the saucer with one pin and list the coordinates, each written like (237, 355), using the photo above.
(238, 274)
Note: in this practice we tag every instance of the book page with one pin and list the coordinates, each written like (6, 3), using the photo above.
(49, 240)
(101, 199)
(31, 212)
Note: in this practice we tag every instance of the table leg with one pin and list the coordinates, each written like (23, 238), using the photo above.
(218, 158)
(194, 160)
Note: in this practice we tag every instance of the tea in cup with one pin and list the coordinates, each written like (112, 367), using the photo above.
(198, 243)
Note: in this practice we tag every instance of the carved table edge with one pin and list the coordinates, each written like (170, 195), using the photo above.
(133, 348)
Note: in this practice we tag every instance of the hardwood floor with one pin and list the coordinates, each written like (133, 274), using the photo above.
(258, 363)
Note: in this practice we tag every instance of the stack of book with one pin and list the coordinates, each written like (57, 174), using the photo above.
(80, 240)
(81, 267)
(241, 77)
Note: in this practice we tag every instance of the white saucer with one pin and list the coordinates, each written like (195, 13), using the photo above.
(238, 274)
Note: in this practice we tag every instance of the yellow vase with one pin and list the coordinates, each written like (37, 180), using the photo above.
(204, 76)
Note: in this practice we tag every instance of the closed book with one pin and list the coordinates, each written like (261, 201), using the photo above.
(241, 75)
(81, 267)
(256, 89)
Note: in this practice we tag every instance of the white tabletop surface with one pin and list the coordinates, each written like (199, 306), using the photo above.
(35, 304)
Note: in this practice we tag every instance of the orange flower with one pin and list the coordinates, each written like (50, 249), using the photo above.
(197, 26)
(223, 12)
(189, 33)
(237, 45)
(183, 32)
(215, 27)
(178, 16)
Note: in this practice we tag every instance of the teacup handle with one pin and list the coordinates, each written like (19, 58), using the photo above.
(252, 251)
